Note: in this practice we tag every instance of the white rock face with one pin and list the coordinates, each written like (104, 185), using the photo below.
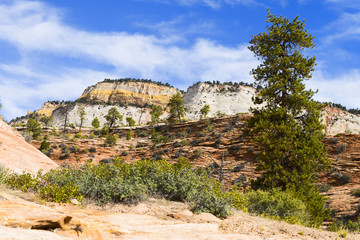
(141, 115)
(340, 121)
(221, 99)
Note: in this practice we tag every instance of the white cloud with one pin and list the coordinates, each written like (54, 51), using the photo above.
(347, 27)
(343, 89)
(40, 36)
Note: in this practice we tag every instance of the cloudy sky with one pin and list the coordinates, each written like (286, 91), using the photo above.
(54, 49)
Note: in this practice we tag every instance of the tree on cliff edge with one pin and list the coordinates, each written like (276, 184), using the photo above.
(287, 129)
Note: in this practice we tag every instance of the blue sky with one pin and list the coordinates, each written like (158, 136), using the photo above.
(54, 49)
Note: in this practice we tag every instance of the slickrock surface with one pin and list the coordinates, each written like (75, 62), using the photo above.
(153, 219)
(17, 155)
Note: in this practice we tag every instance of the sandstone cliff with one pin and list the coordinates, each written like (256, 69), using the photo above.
(221, 98)
(135, 93)
(134, 99)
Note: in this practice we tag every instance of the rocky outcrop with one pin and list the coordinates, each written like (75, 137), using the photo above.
(339, 121)
(134, 99)
(222, 99)
(17, 155)
(134, 93)
(140, 115)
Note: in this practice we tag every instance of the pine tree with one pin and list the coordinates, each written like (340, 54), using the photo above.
(112, 117)
(156, 112)
(204, 111)
(81, 112)
(287, 128)
(95, 123)
(177, 109)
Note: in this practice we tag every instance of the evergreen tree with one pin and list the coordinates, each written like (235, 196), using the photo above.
(156, 112)
(287, 128)
(113, 116)
(34, 127)
(204, 111)
(177, 109)
(81, 112)
(47, 120)
(130, 121)
(95, 123)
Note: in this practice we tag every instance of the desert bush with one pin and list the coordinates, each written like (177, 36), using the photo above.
(3, 173)
(92, 149)
(217, 143)
(124, 153)
(104, 130)
(341, 148)
(184, 142)
(356, 192)
(342, 178)
(60, 194)
(197, 153)
(179, 153)
(333, 140)
(24, 182)
(44, 146)
(64, 156)
(143, 134)
(130, 183)
(278, 204)
(160, 139)
(345, 224)
(128, 135)
(111, 140)
(323, 187)
(74, 149)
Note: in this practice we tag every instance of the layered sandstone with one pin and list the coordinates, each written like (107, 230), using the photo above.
(17, 155)
(128, 93)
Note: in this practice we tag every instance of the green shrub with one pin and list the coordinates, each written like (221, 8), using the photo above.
(356, 192)
(124, 153)
(111, 140)
(24, 182)
(343, 224)
(60, 194)
(92, 149)
(341, 148)
(64, 156)
(78, 135)
(44, 146)
(323, 187)
(128, 135)
(3, 173)
(342, 178)
(278, 204)
(104, 131)
(74, 149)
